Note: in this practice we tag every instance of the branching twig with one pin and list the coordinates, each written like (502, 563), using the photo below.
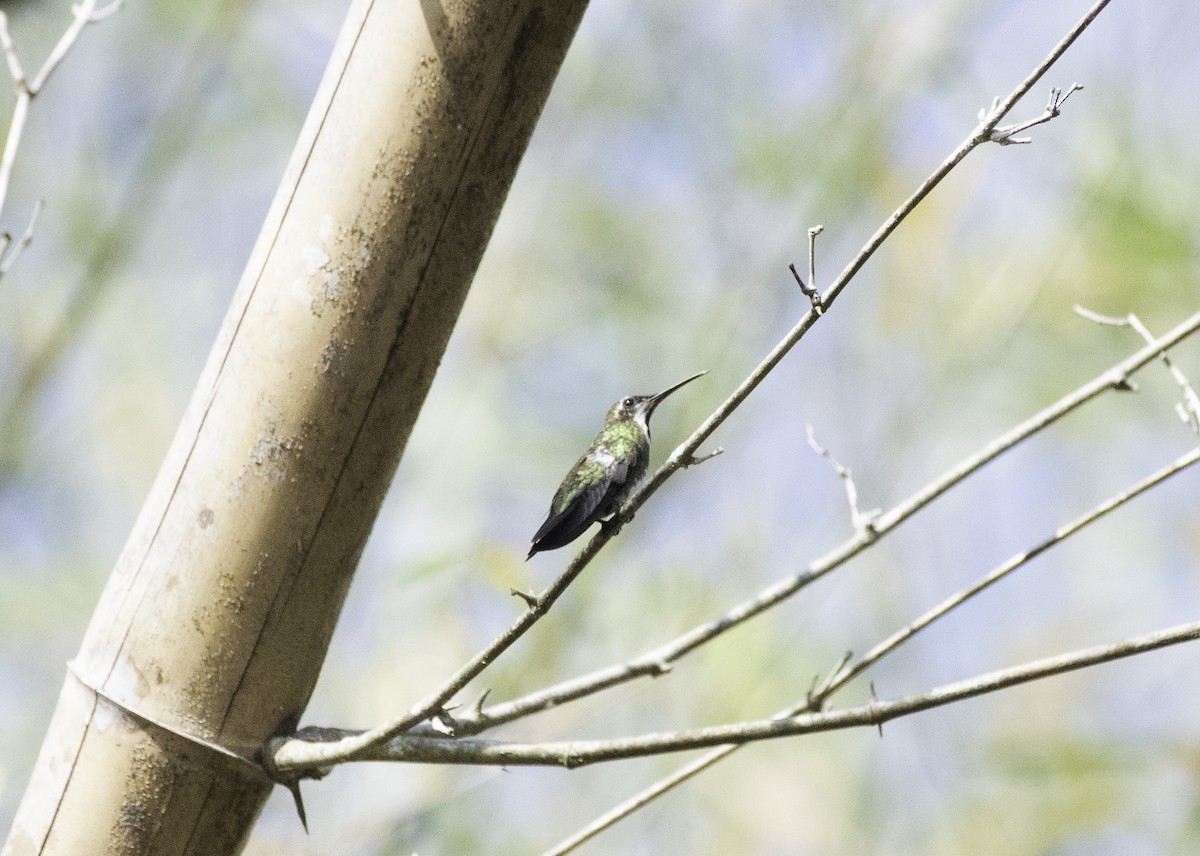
(657, 660)
(810, 290)
(812, 257)
(9, 259)
(303, 754)
(577, 753)
(292, 753)
(848, 672)
(10, 55)
(1188, 409)
(1005, 135)
(85, 13)
(304, 751)
(843, 673)
(863, 521)
(641, 798)
(709, 759)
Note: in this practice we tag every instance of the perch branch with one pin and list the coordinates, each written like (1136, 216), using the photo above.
(657, 661)
(301, 753)
(577, 753)
(843, 673)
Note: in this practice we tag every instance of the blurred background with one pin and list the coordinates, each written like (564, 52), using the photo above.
(684, 152)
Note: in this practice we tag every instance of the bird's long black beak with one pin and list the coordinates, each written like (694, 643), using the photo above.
(655, 399)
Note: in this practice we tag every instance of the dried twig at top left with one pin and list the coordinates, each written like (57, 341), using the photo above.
(27, 89)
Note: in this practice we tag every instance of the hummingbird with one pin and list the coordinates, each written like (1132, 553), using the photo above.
(609, 471)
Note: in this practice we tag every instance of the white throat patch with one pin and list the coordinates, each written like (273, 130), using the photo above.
(640, 419)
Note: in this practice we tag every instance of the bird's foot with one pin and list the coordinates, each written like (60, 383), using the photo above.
(610, 527)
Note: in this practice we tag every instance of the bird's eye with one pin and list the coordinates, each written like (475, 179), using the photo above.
(627, 402)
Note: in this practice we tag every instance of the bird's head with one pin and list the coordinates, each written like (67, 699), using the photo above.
(637, 408)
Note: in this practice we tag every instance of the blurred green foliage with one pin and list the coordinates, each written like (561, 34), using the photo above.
(686, 149)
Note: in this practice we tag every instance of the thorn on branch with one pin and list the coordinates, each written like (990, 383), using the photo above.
(477, 707)
(1005, 135)
(816, 695)
(292, 778)
(812, 692)
(692, 460)
(874, 701)
(443, 723)
(294, 786)
(530, 599)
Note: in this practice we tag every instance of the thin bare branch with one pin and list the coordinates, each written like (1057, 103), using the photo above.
(812, 253)
(640, 799)
(861, 520)
(810, 289)
(111, 9)
(988, 127)
(291, 753)
(10, 55)
(1188, 410)
(577, 753)
(849, 672)
(84, 13)
(308, 754)
(1096, 317)
(1006, 135)
(10, 258)
(843, 673)
(16, 128)
(656, 661)
(683, 774)
(1002, 109)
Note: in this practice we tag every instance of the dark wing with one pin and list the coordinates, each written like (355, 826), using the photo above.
(585, 495)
